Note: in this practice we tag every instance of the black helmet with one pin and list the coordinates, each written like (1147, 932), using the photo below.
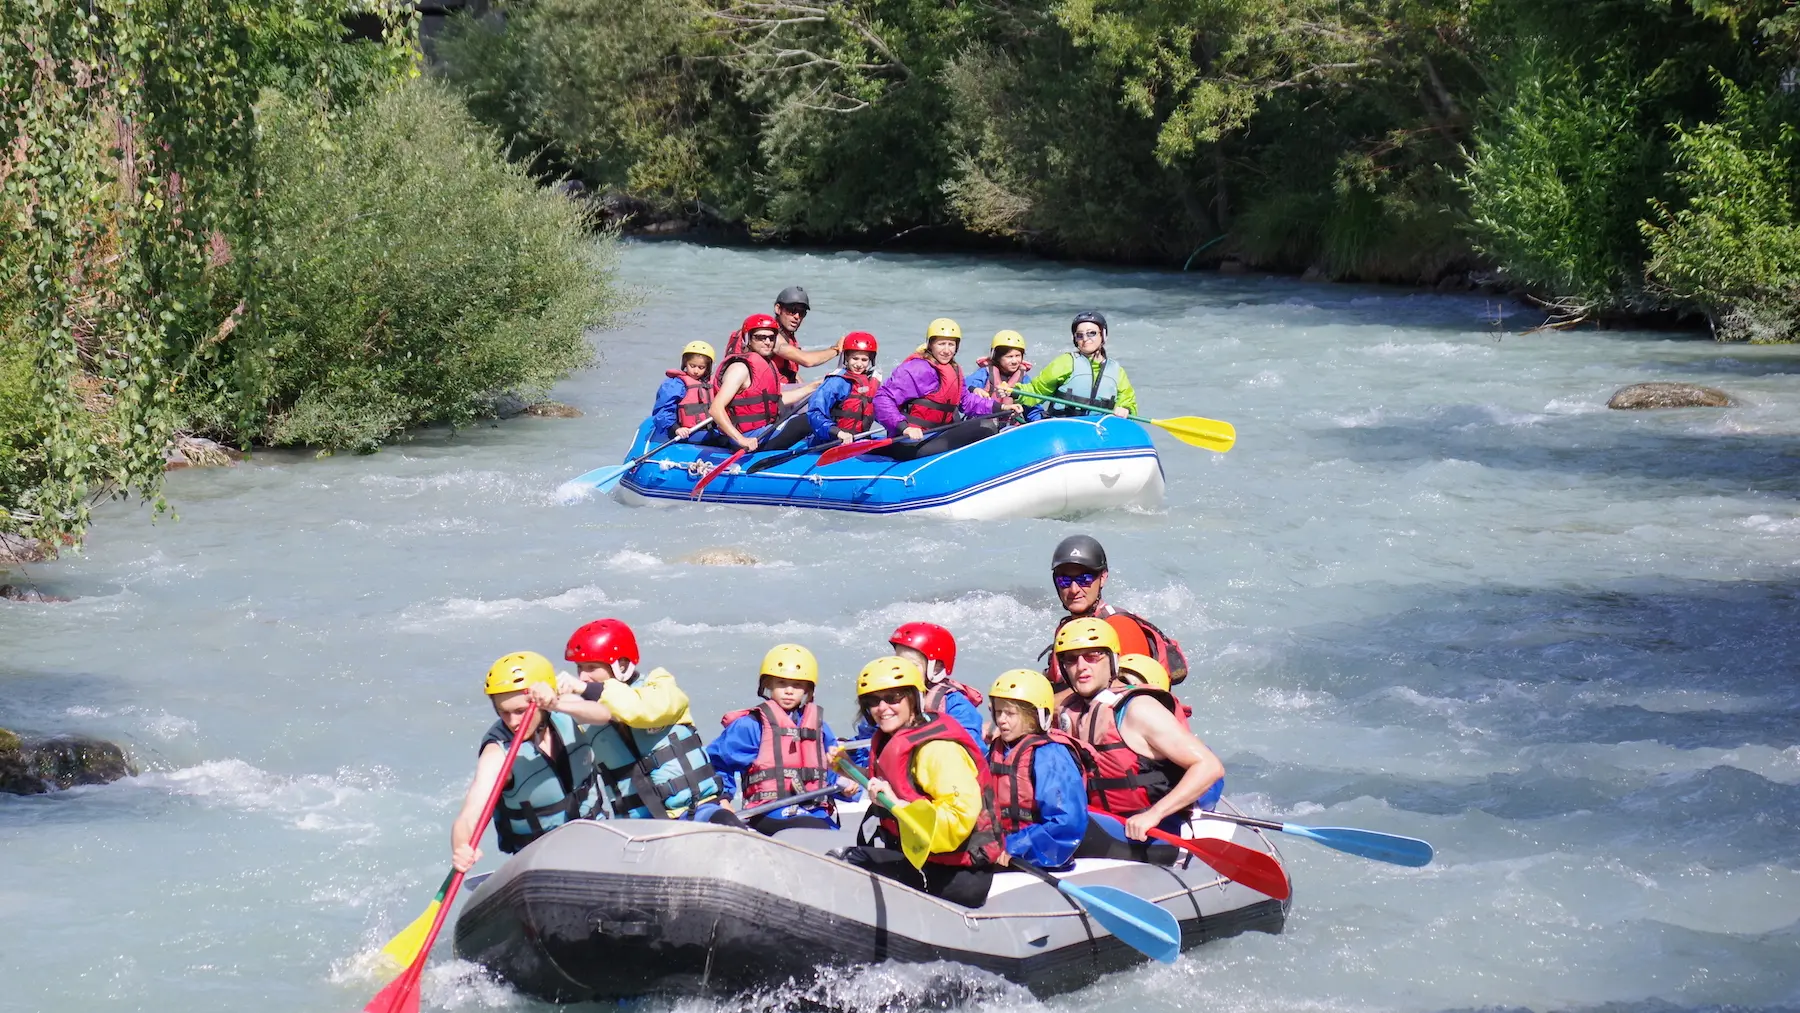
(1079, 550)
(1088, 317)
(793, 295)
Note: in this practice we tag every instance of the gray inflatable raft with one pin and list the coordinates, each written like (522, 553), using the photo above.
(621, 908)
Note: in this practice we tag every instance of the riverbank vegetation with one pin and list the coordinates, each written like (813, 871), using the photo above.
(256, 223)
(1621, 157)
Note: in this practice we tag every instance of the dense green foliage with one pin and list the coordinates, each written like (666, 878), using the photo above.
(1570, 149)
(161, 255)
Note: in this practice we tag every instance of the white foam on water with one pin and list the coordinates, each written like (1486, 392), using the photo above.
(446, 611)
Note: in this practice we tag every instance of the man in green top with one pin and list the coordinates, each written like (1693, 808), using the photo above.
(1086, 375)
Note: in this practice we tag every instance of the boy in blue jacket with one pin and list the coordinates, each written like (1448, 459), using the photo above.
(1040, 783)
(682, 399)
(779, 747)
(843, 407)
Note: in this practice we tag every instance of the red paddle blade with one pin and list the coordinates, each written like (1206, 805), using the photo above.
(400, 996)
(700, 486)
(1255, 869)
(849, 450)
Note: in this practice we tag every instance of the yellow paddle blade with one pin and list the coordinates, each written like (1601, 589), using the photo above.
(918, 826)
(1193, 430)
(404, 947)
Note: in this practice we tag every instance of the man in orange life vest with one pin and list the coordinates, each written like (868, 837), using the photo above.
(927, 392)
(1078, 569)
(683, 398)
(749, 408)
(1151, 769)
(791, 308)
(779, 746)
(843, 407)
(927, 756)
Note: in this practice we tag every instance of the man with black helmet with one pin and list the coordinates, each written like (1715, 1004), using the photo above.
(1078, 569)
(1087, 374)
(791, 308)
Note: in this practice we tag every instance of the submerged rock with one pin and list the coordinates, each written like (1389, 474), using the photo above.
(37, 765)
(1669, 395)
(197, 452)
(554, 410)
(19, 592)
(719, 556)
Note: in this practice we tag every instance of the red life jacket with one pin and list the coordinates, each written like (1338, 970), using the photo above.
(1126, 783)
(1015, 790)
(759, 403)
(1164, 648)
(893, 756)
(994, 380)
(933, 703)
(941, 406)
(856, 412)
(737, 345)
(792, 756)
(690, 411)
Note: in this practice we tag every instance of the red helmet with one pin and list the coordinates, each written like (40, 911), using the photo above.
(858, 341)
(929, 639)
(602, 642)
(759, 322)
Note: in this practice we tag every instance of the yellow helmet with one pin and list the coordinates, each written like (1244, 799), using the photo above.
(1008, 339)
(517, 671)
(1025, 686)
(1148, 670)
(699, 348)
(1081, 634)
(943, 327)
(891, 672)
(791, 661)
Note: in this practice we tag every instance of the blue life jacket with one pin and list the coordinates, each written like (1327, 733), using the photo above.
(1082, 385)
(671, 760)
(534, 801)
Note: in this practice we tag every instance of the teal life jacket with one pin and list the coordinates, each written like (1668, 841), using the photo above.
(1082, 385)
(536, 800)
(671, 760)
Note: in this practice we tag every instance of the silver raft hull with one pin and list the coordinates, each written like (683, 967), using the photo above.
(622, 908)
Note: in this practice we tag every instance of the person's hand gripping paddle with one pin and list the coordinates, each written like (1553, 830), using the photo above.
(918, 818)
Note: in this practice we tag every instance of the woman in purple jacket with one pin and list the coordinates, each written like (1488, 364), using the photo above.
(926, 392)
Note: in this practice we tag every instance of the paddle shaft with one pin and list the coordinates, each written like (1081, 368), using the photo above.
(1095, 409)
(782, 803)
(861, 778)
(408, 990)
(1371, 844)
(841, 452)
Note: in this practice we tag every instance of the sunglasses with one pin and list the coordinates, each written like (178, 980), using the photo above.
(1092, 655)
(1065, 581)
(1087, 335)
(891, 698)
(799, 311)
(762, 336)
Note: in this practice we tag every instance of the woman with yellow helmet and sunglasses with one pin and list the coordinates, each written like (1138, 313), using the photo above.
(779, 746)
(920, 755)
(1040, 773)
(553, 779)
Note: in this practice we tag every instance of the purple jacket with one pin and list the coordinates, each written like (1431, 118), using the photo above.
(917, 378)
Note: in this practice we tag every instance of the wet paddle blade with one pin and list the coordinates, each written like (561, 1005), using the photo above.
(700, 486)
(849, 450)
(1255, 869)
(1136, 922)
(404, 948)
(918, 826)
(401, 996)
(1210, 434)
(1390, 848)
(601, 478)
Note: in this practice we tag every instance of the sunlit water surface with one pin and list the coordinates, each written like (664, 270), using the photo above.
(1437, 589)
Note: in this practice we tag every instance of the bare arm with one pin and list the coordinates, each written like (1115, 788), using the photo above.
(1166, 739)
(794, 353)
(583, 710)
(465, 851)
(801, 392)
(736, 378)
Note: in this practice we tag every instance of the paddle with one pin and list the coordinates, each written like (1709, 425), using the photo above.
(1390, 848)
(603, 479)
(402, 994)
(405, 946)
(917, 819)
(782, 803)
(1190, 429)
(845, 451)
(1131, 919)
(1255, 869)
(700, 486)
(818, 448)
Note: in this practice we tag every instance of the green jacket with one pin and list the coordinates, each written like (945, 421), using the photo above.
(1052, 377)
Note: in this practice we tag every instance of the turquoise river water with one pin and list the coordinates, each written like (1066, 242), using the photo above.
(1437, 589)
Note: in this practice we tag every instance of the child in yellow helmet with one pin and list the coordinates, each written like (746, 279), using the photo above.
(553, 779)
(682, 399)
(1040, 773)
(779, 747)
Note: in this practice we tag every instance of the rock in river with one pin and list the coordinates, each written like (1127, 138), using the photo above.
(719, 556)
(34, 766)
(1669, 395)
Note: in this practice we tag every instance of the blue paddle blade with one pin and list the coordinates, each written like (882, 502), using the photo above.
(1390, 848)
(602, 479)
(1133, 920)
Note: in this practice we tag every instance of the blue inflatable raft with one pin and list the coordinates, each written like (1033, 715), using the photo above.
(1050, 468)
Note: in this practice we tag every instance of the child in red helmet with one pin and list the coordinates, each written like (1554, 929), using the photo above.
(843, 407)
(933, 649)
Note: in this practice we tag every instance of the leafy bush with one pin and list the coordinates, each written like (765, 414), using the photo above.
(1733, 251)
(409, 274)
